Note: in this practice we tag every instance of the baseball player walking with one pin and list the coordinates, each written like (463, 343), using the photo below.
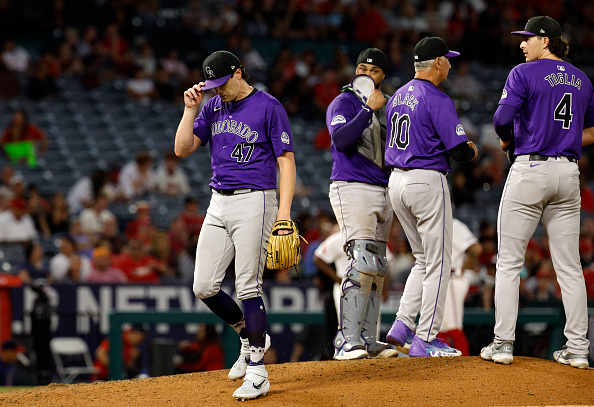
(359, 198)
(423, 132)
(249, 134)
(546, 111)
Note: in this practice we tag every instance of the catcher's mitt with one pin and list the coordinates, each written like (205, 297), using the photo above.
(283, 251)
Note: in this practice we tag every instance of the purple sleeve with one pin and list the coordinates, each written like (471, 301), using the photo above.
(346, 136)
(279, 130)
(447, 124)
(503, 120)
(202, 125)
(514, 92)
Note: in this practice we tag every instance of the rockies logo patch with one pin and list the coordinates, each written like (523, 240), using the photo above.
(285, 138)
(209, 72)
(504, 94)
(337, 119)
(460, 130)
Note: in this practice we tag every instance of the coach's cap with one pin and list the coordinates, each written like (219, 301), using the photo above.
(375, 57)
(431, 48)
(218, 68)
(543, 26)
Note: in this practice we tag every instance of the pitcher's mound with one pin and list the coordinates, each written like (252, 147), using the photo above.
(462, 381)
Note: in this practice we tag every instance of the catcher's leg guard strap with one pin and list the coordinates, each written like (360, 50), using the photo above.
(364, 255)
(382, 261)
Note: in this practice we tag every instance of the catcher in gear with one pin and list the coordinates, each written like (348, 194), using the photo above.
(249, 134)
(356, 121)
(284, 247)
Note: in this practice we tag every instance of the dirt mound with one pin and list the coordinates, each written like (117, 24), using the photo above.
(463, 381)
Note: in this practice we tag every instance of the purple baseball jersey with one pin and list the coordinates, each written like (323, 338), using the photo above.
(553, 97)
(422, 127)
(245, 138)
(350, 165)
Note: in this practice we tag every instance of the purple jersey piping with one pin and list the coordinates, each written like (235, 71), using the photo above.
(341, 214)
(259, 285)
(442, 251)
(499, 225)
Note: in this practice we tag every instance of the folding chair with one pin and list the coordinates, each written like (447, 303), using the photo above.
(72, 358)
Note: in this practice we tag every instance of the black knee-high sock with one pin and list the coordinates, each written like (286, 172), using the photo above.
(224, 307)
(255, 323)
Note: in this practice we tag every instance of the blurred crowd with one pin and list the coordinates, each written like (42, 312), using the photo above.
(155, 48)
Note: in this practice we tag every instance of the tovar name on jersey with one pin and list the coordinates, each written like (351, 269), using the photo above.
(563, 79)
(231, 126)
(409, 100)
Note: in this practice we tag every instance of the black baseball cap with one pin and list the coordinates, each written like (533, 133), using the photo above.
(431, 48)
(375, 57)
(218, 68)
(544, 26)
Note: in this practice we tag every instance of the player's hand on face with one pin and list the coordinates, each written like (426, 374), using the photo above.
(376, 100)
(473, 146)
(193, 96)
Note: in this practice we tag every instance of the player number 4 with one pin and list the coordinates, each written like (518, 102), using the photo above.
(238, 152)
(563, 111)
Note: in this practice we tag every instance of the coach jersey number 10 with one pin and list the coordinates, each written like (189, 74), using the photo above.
(400, 131)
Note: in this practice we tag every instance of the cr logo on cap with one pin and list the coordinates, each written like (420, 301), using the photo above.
(209, 72)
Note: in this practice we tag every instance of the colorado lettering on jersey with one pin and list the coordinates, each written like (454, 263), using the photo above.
(231, 126)
(409, 100)
(563, 79)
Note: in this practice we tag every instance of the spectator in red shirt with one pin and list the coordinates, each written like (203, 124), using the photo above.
(326, 90)
(192, 217)
(143, 218)
(102, 271)
(202, 355)
(20, 129)
(139, 266)
(370, 24)
(323, 141)
(115, 48)
(131, 354)
(177, 235)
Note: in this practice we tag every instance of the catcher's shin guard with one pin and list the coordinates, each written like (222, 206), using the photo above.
(369, 329)
(356, 289)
